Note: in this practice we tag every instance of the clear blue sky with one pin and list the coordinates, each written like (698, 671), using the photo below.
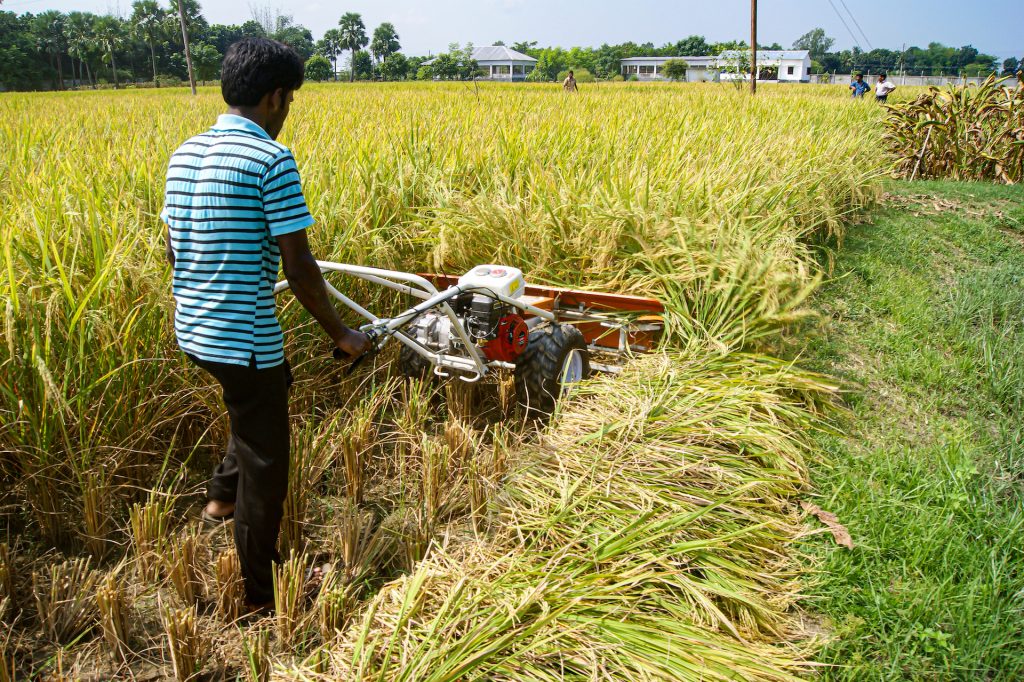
(992, 26)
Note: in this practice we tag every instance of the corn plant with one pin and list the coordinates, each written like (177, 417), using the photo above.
(960, 133)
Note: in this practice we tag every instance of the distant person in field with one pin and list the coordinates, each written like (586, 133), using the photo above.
(858, 87)
(234, 209)
(569, 84)
(882, 88)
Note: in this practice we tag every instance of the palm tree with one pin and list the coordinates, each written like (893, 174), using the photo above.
(188, 54)
(385, 42)
(109, 33)
(330, 46)
(81, 42)
(51, 39)
(148, 20)
(353, 37)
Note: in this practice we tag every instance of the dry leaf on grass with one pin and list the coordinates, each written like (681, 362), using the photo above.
(839, 532)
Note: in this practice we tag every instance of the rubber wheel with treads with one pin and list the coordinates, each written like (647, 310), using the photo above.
(553, 353)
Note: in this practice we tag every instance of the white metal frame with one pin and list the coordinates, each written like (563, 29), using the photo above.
(470, 367)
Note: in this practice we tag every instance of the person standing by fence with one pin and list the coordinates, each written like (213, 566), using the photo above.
(882, 88)
(858, 87)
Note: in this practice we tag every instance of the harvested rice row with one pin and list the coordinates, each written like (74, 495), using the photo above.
(644, 537)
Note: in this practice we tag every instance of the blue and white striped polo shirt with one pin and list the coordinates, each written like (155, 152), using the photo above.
(230, 193)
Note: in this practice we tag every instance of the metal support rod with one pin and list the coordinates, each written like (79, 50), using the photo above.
(753, 47)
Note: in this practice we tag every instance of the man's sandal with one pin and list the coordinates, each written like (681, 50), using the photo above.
(215, 521)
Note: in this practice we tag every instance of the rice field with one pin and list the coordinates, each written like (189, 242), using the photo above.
(644, 534)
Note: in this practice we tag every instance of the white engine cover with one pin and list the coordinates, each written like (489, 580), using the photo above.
(498, 279)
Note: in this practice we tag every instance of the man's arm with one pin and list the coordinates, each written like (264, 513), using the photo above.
(307, 283)
(168, 249)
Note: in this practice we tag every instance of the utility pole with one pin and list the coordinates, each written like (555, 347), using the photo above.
(188, 52)
(753, 47)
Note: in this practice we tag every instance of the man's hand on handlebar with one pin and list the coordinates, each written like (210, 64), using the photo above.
(354, 343)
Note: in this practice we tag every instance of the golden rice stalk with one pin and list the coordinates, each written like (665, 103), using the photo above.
(361, 547)
(187, 644)
(503, 441)
(478, 489)
(96, 497)
(416, 408)
(149, 525)
(506, 394)
(318, 662)
(335, 604)
(184, 558)
(8, 672)
(410, 531)
(357, 443)
(314, 450)
(6, 573)
(230, 588)
(113, 605)
(65, 599)
(289, 597)
(461, 439)
(461, 400)
(434, 483)
(258, 664)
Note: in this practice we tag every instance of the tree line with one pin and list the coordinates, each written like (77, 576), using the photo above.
(56, 50)
(935, 60)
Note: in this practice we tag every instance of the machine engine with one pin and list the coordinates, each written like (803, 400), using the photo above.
(495, 327)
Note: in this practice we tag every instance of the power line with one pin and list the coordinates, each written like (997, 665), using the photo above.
(848, 30)
(857, 24)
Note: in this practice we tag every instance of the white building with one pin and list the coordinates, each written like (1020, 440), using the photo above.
(500, 63)
(793, 66)
(649, 68)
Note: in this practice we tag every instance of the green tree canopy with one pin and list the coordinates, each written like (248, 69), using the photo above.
(362, 65)
(675, 69)
(814, 41)
(395, 67)
(206, 60)
(318, 68)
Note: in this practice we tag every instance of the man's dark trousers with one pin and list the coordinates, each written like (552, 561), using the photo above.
(254, 472)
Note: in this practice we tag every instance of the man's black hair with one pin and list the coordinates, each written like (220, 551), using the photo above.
(882, 75)
(255, 66)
